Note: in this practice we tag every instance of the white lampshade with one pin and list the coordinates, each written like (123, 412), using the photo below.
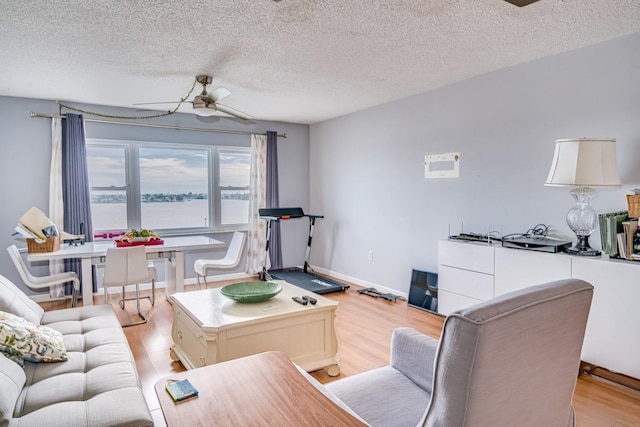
(584, 162)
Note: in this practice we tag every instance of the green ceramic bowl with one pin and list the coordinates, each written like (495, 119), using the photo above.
(250, 292)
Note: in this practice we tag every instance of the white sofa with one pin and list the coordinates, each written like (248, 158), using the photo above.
(97, 386)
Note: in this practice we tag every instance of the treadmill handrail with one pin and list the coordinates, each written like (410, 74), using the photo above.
(282, 212)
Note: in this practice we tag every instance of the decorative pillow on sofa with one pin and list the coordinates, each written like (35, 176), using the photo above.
(18, 359)
(34, 343)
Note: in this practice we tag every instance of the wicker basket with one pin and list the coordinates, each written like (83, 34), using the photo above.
(52, 244)
(633, 200)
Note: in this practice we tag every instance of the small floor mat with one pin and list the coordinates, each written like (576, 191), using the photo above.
(308, 281)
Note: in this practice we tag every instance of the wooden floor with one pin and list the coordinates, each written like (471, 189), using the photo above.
(364, 325)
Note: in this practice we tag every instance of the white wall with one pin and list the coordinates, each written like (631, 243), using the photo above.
(367, 173)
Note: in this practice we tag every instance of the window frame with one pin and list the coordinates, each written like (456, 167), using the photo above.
(134, 194)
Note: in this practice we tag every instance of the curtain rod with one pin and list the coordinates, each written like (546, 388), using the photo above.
(115, 122)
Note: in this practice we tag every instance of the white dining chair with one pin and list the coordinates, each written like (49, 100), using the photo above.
(129, 266)
(229, 261)
(41, 282)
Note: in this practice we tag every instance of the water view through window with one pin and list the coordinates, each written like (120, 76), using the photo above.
(112, 216)
(173, 186)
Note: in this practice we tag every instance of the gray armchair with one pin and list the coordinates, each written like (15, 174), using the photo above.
(510, 361)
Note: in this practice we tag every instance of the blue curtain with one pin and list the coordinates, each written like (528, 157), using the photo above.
(273, 199)
(75, 186)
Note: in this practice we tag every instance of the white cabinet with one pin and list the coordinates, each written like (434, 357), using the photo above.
(469, 273)
(516, 268)
(612, 339)
(465, 275)
(466, 255)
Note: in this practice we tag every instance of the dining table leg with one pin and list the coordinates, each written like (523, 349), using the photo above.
(174, 273)
(87, 281)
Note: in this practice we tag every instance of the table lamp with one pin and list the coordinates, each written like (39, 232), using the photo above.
(584, 163)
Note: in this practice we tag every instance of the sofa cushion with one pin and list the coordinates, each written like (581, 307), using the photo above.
(122, 407)
(12, 378)
(97, 386)
(13, 300)
(17, 359)
(382, 397)
(34, 343)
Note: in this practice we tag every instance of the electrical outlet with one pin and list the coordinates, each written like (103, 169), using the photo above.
(370, 255)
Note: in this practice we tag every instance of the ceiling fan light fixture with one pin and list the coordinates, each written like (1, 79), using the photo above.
(205, 111)
(521, 3)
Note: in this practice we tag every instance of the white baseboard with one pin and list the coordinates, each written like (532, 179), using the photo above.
(360, 282)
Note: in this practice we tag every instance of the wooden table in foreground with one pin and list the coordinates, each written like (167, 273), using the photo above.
(210, 328)
(260, 390)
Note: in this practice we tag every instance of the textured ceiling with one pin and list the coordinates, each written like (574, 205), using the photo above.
(299, 61)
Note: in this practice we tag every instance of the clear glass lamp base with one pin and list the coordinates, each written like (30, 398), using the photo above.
(582, 248)
(583, 220)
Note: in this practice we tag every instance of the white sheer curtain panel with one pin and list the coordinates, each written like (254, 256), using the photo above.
(56, 206)
(256, 240)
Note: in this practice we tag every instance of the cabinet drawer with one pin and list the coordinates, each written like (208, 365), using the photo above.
(191, 345)
(466, 255)
(448, 302)
(191, 339)
(478, 286)
(517, 268)
(187, 323)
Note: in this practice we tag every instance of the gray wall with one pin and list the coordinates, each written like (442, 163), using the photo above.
(25, 147)
(367, 173)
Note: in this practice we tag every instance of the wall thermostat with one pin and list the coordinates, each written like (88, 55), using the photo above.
(442, 165)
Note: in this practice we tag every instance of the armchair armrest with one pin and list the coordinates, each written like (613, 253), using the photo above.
(413, 354)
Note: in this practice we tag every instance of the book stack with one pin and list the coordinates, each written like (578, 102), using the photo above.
(181, 390)
(625, 239)
(610, 229)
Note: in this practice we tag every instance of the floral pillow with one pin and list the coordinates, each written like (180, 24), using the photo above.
(34, 343)
(18, 359)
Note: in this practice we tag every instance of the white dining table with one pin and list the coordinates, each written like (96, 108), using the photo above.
(171, 251)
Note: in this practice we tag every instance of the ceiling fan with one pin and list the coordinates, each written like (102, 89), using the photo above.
(521, 3)
(206, 104)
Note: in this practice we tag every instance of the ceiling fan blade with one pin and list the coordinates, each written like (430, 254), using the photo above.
(233, 112)
(218, 93)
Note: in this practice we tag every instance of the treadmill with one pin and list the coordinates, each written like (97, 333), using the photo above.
(301, 277)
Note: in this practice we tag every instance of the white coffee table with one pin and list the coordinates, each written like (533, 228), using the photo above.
(210, 328)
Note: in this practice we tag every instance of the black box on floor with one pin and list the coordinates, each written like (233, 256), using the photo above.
(423, 292)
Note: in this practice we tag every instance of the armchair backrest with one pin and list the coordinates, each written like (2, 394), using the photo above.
(513, 360)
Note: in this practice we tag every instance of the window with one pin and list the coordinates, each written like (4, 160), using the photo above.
(108, 181)
(234, 186)
(175, 189)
